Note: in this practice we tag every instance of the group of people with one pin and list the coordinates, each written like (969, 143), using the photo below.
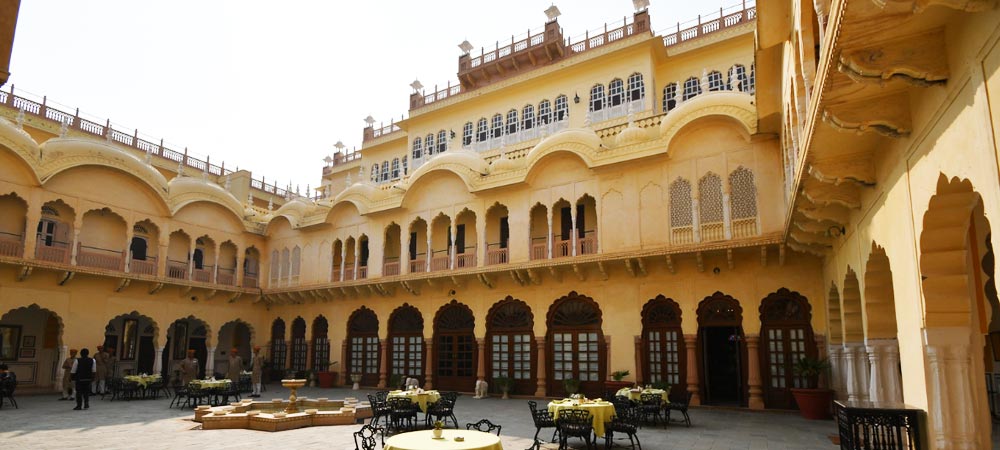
(103, 369)
(189, 368)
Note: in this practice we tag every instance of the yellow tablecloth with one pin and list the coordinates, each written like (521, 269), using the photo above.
(421, 399)
(209, 384)
(142, 380)
(637, 395)
(423, 440)
(601, 411)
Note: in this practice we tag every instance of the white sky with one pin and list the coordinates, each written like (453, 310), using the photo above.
(270, 86)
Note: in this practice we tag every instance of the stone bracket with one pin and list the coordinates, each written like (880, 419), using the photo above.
(233, 296)
(700, 260)
(556, 275)
(517, 278)
(486, 280)
(600, 268)
(122, 284)
(670, 264)
(66, 277)
(825, 194)
(856, 168)
(729, 259)
(155, 287)
(888, 116)
(581, 273)
(918, 60)
(411, 289)
(534, 277)
(24, 272)
(185, 290)
(763, 256)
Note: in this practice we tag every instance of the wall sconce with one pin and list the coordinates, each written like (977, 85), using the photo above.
(835, 231)
(452, 134)
(576, 98)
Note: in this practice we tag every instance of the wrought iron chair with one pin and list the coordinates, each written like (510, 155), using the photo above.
(679, 403)
(484, 425)
(367, 435)
(625, 421)
(575, 423)
(7, 388)
(651, 406)
(443, 409)
(380, 410)
(400, 409)
(542, 419)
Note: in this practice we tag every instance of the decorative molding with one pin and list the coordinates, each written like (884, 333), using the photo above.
(888, 116)
(807, 238)
(918, 6)
(919, 60)
(825, 194)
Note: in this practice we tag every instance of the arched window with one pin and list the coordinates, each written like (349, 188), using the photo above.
(406, 338)
(710, 207)
(429, 144)
(406, 167)
(300, 348)
(286, 263)
(528, 117)
(455, 347)
(669, 97)
(375, 173)
(787, 335)
(385, 171)
(442, 141)
(738, 78)
(681, 219)
(321, 344)
(467, 134)
(544, 112)
(691, 88)
(616, 92)
(496, 127)
(363, 345)
(296, 264)
(512, 121)
(636, 87)
(596, 98)
(418, 149)
(743, 203)
(576, 345)
(279, 350)
(511, 344)
(395, 168)
(481, 130)
(663, 343)
(275, 268)
(714, 81)
(751, 79)
(562, 108)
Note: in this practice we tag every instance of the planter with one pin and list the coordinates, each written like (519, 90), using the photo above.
(356, 379)
(615, 386)
(437, 433)
(814, 404)
(326, 379)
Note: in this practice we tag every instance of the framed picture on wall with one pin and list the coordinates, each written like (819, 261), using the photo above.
(10, 340)
(995, 343)
(28, 342)
(27, 353)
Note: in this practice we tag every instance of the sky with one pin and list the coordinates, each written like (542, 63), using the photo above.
(271, 89)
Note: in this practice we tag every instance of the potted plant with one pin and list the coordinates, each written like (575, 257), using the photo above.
(572, 385)
(503, 384)
(617, 384)
(324, 376)
(356, 379)
(395, 381)
(438, 426)
(814, 403)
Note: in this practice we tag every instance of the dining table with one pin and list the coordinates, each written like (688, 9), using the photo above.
(424, 439)
(420, 397)
(600, 411)
(636, 394)
(143, 380)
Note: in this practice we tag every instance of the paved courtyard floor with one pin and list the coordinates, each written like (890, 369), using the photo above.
(43, 422)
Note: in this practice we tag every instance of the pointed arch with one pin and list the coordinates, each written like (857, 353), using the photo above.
(576, 344)
(663, 352)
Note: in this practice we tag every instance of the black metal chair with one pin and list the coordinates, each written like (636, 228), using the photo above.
(625, 421)
(443, 409)
(196, 396)
(7, 388)
(180, 394)
(380, 410)
(484, 425)
(542, 419)
(575, 423)
(651, 405)
(400, 409)
(679, 403)
(367, 435)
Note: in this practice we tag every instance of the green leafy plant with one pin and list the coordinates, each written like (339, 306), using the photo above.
(810, 369)
(572, 385)
(438, 425)
(662, 385)
(618, 375)
(395, 380)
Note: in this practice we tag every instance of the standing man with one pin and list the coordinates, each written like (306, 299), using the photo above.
(102, 370)
(256, 370)
(189, 368)
(235, 366)
(67, 384)
(83, 373)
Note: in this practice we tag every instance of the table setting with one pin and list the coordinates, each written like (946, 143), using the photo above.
(601, 411)
(418, 396)
(449, 440)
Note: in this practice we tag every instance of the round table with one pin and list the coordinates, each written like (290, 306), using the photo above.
(420, 398)
(211, 384)
(637, 395)
(422, 440)
(600, 411)
(142, 380)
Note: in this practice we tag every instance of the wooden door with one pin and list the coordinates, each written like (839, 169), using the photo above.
(786, 337)
(663, 351)
(455, 348)
(363, 346)
(510, 345)
(576, 347)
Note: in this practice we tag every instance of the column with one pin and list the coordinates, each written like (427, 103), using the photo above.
(573, 233)
(540, 366)
(727, 214)
(127, 254)
(639, 368)
(383, 367)
(60, 372)
(861, 365)
(161, 257)
(695, 216)
(850, 370)
(76, 245)
(482, 242)
(756, 400)
(190, 259)
(429, 254)
(481, 359)
(452, 250)
(884, 382)
(238, 271)
(215, 267)
(428, 363)
(158, 360)
(357, 257)
(836, 371)
(343, 259)
(548, 237)
(33, 216)
(404, 252)
(210, 363)
(691, 344)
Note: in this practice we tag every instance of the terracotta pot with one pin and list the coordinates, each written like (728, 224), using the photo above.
(327, 379)
(814, 404)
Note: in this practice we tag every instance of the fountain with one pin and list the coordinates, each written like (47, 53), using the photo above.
(292, 385)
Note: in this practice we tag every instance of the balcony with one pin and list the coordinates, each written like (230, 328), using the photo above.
(58, 252)
(100, 258)
(521, 135)
(177, 269)
(362, 272)
(348, 272)
(11, 245)
(418, 265)
(203, 275)
(440, 260)
(871, 426)
(226, 277)
(143, 267)
(465, 260)
(497, 255)
(587, 244)
(250, 281)
(391, 268)
(539, 248)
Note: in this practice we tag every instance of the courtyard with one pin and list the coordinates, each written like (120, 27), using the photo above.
(44, 422)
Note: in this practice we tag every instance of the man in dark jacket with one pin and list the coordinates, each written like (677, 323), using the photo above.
(84, 369)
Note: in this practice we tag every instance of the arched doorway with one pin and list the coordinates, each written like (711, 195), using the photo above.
(187, 334)
(455, 348)
(321, 344)
(406, 336)
(786, 337)
(664, 355)
(30, 345)
(133, 338)
(576, 347)
(235, 334)
(510, 345)
(722, 351)
(279, 349)
(363, 346)
(300, 348)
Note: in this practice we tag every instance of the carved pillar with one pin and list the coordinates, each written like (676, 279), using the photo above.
(383, 366)
(158, 360)
(215, 268)
(428, 364)
(861, 366)
(481, 359)
(210, 363)
(540, 366)
(836, 371)
(33, 216)
(639, 369)
(481, 242)
(452, 251)
(695, 217)
(548, 237)
(727, 214)
(885, 384)
(850, 360)
(572, 231)
(127, 254)
(343, 259)
(953, 411)
(190, 259)
(76, 245)
(429, 254)
(756, 400)
(357, 257)
(691, 343)
(239, 270)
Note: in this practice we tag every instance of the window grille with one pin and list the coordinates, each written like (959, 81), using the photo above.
(710, 207)
(275, 268)
(467, 134)
(636, 87)
(285, 262)
(481, 130)
(743, 202)
(512, 121)
(496, 126)
(691, 88)
(442, 141)
(681, 219)
(596, 98)
(616, 92)
(418, 151)
(528, 117)
(429, 144)
(395, 168)
(375, 173)
(296, 263)
(544, 112)
(562, 108)
(406, 168)
(385, 171)
(669, 97)
(714, 81)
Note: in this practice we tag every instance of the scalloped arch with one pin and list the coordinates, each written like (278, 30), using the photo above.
(464, 164)
(736, 106)
(185, 191)
(581, 142)
(22, 145)
(61, 154)
(360, 195)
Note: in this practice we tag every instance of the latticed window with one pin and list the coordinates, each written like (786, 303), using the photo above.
(710, 207)
(544, 112)
(362, 331)
(442, 141)
(596, 98)
(296, 262)
(581, 350)
(275, 268)
(429, 144)
(406, 166)
(496, 126)
(528, 117)
(418, 149)
(364, 354)
(787, 337)
(743, 194)
(407, 355)
(669, 97)
(481, 130)
(278, 349)
(395, 168)
(509, 331)
(576, 343)
(616, 92)
(300, 348)
(385, 170)
(285, 261)
(680, 203)
(511, 121)
(562, 108)
(738, 78)
(467, 134)
(714, 81)
(374, 173)
(636, 87)
(663, 343)
(691, 88)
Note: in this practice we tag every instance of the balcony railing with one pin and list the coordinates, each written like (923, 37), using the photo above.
(562, 248)
(539, 248)
(203, 275)
(588, 244)
(348, 272)
(609, 111)
(467, 259)
(713, 231)
(744, 228)
(362, 272)
(390, 268)
(335, 272)
(250, 281)
(874, 426)
(440, 261)
(682, 235)
(58, 252)
(11, 245)
(497, 255)
(100, 258)
(521, 135)
(728, 17)
(418, 265)
(226, 277)
(143, 267)
(177, 269)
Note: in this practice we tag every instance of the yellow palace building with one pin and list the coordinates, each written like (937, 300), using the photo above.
(700, 207)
